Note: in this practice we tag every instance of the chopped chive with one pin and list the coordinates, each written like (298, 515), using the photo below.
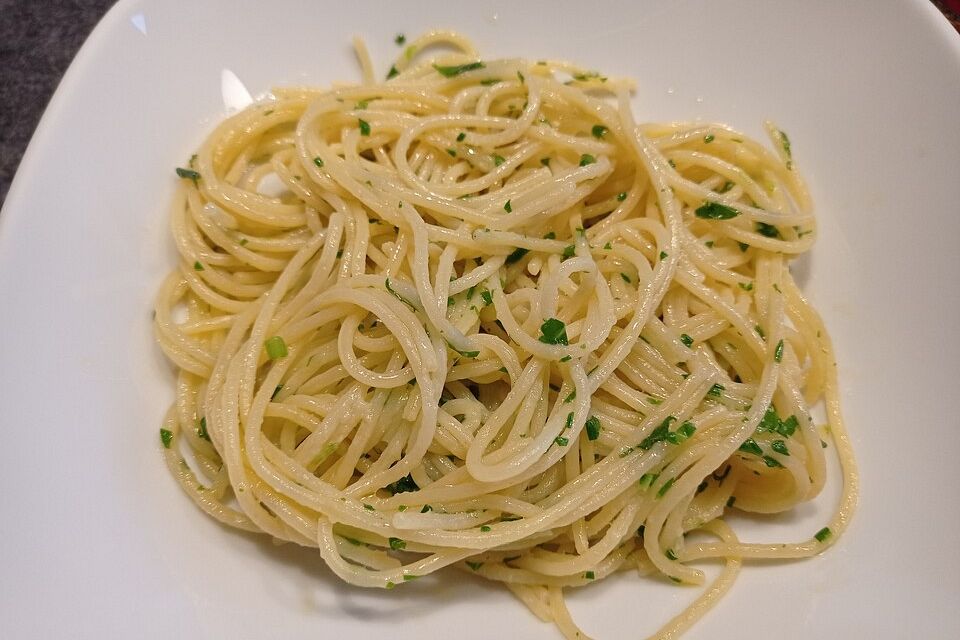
(658, 434)
(746, 286)
(407, 577)
(487, 298)
(716, 211)
(771, 462)
(485, 528)
(785, 143)
(397, 544)
(823, 535)
(768, 230)
(568, 251)
(449, 72)
(368, 507)
(197, 266)
(565, 359)
(166, 437)
(709, 244)
(716, 390)
(452, 152)
(276, 347)
(549, 235)
(666, 487)
(599, 130)
(593, 427)
(474, 565)
(586, 159)
(520, 77)
(646, 481)
(508, 207)
(589, 575)
(460, 138)
(708, 138)
(569, 422)
(400, 39)
(778, 352)
(318, 161)
(498, 160)
(759, 331)
(686, 339)
(393, 73)
(625, 277)
(364, 127)
(202, 429)
(561, 441)
(571, 397)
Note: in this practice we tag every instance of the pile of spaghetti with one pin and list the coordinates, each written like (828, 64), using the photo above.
(482, 319)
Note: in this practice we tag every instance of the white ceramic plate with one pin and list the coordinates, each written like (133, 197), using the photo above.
(97, 541)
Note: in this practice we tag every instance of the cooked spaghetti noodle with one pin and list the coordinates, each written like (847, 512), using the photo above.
(485, 320)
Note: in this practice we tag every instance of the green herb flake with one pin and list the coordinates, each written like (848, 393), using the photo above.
(393, 73)
(746, 286)
(707, 139)
(461, 136)
(646, 481)
(390, 585)
(593, 427)
(397, 544)
(508, 207)
(716, 211)
(568, 251)
(589, 575)
(364, 127)
(663, 255)
(785, 143)
(743, 246)
(787, 427)
(368, 507)
(520, 77)
(771, 462)
(400, 40)
(318, 161)
(569, 421)
(780, 447)
(625, 277)
(666, 487)
(553, 331)
(188, 173)
(571, 397)
(561, 441)
(686, 339)
(823, 535)
(197, 266)
(586, 159)
(452, 153)
(659, 434)
(731, 500)
(403, 485)
(474, 565)
(485, 528)
(498, 160)
(166, 437)
(759, 331)
(407, 577)
(450, 72)
(276, 347)
(716, 390)
(670, 554)
(545, 162)
(767, 230)
(750, 446)
(566, 358)
(202, 429)
(778, 351)
(608, 246)
(515, 256)
(487, 297)
(599, 131)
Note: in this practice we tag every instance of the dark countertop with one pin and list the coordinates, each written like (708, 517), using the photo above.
(38, 39)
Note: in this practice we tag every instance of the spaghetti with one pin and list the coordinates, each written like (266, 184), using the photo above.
(485, 320)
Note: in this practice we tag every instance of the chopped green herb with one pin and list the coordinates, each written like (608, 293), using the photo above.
(197, 266)
(589, 575)
(625, 277)
(397, 544)
(368, 507)
(743, 246)
(485, 528)
(780, 447)
(599, 130)
(750, 446)
(785, 143)
(364, 127)
(404, 484)
(767, 230)
(393, 73)
(166, 437)
(586, 159)
(823, 535)
(460, 138)
(672, 163)
(759, 331)
(276, 392)
(474, 565)
(771, 462)
(487, 297)
(400, 39)
(569, 422)
(593, 427)
(402, 507)
(746, 286)
(188, 173)
(449, 72)
(276, 347)
(565, 359)
(426, 508)
(621, 196)
(202, 429)
(778, 351)
(318, 161)
(716, 390)
(608, 246)
(498, 160)
(545, 162)
(716, 211)
(731, 500)
(507, 207)
(788, 426)
(553, 331)
(708, 138)
(549, 235)
(571, 397)
(517, 253)
(390, 585)
(670, 554)
(666, 487)
(726, 187)
(407, 577)
(520, 77)
(663, 255)
(659, 434)
(709, 244)
(452, 152)
(561, 441)
(646, 481)
(686, 339)
(568, 251)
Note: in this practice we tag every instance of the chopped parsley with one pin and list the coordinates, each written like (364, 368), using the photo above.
(400, 39)
(474, 565)
(498, 160)
(593, 427)
(746, 286)
(716, 211)
(276, 347)
(508, 207)
(553, 331)
(393, 73)
(823, 535)
(571, 397)
(778, 352)
(397, 544)
(561, 441)
(318, 161)
(569, 422)
(686, 339)
(449, 72)
(586, 159)
(599, 130)
(750, 446)
(625, 277)
(485, 528)
(767, 230)
(452, 152)
(166, 437)
(659, 434)
(785, 143)
(364, 127)
(197, 266)
(707, 139)
(716, 390)
(589, 575)
(487, 296)
(404, 484)
(780, 447)
(771, 462)
(646, 481)
(663, 255)
(568, 251)
(621, 196)
(545, 162)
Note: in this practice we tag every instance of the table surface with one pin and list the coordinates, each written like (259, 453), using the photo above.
(38, 39)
